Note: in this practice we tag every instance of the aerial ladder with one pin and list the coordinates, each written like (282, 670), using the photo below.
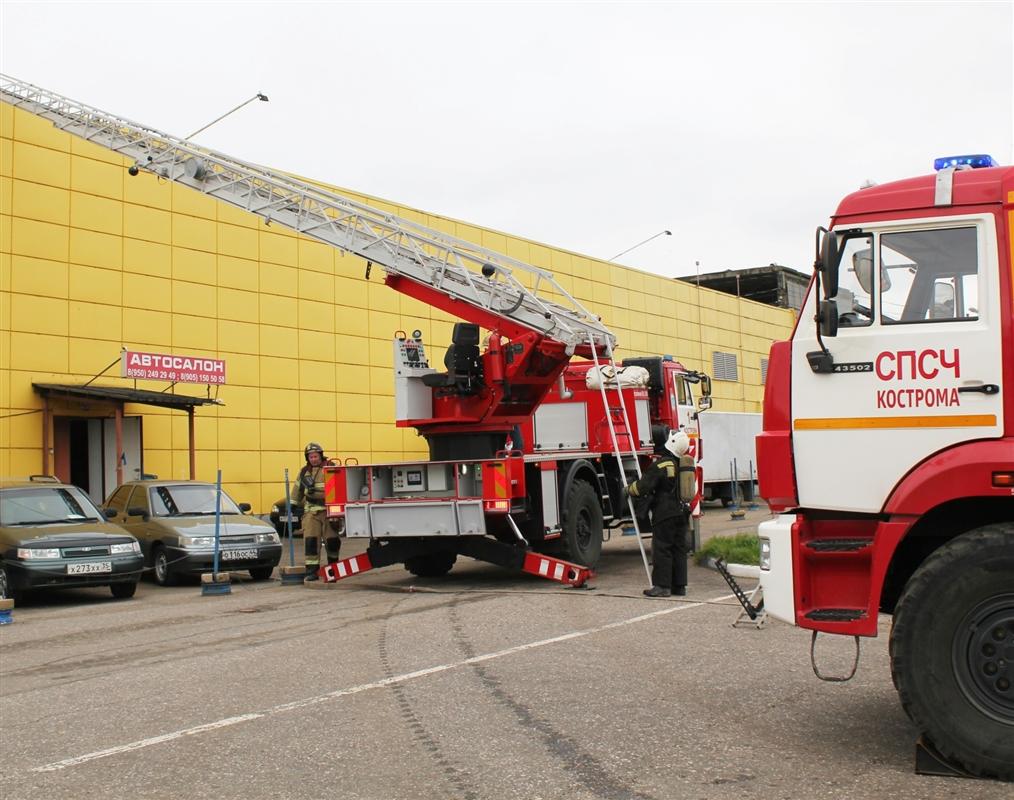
(543, 325)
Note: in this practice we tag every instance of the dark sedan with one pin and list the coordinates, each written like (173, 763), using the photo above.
(175, 523)
(53, 536)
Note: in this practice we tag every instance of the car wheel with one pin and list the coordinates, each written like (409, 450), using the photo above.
(122, 591)
(261, 573)
(162, 571)
(6, 590)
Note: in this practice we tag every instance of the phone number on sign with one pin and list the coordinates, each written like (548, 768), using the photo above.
(171, 375)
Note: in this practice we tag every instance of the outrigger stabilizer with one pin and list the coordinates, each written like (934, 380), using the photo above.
(481, 549)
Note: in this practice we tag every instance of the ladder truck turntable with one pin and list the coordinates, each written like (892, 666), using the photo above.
(887, 451)
(528, 452)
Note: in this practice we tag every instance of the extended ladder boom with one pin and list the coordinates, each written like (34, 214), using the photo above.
(455, 269)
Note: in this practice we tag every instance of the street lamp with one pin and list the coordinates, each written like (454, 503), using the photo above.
(650, 238)
(259, 96)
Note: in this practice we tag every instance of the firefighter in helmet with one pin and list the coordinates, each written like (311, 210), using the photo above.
(660, 486)
(309, 493)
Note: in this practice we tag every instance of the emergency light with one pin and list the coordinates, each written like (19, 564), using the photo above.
(975, 162)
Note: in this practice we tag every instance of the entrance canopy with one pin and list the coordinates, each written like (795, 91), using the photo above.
(118, 396)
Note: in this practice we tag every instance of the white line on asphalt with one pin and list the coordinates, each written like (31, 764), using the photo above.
(364, 687)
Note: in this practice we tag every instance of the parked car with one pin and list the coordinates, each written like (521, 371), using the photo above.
(175, 523)
(278, 518)
(53, 536)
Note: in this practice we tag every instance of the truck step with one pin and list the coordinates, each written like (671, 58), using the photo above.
(838, 545)
(836, 614)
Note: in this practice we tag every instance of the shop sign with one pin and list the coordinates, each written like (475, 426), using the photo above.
(177, 369)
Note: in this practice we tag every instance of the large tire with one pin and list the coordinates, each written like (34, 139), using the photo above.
(952, 650)
(581, 538)
(6, 589)
(431, 565)
(161, 569)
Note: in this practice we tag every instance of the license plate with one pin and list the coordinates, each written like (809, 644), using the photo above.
(238, 555)
(284, 518)
(93, 566)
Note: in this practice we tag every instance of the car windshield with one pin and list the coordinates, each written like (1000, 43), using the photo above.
(188, 498)
(41, 505)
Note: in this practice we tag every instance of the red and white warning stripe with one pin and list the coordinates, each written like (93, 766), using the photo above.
(329, 573)
(555, 569)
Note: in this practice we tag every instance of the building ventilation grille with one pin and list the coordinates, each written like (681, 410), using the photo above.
(764, 371)
(723, 366)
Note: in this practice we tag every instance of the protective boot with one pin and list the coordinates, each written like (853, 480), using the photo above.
(679, 591)
(312, 551)
(311, 573)
(657, 591)
(333, 548)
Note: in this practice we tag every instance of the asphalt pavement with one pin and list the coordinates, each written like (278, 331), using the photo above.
(483, 684)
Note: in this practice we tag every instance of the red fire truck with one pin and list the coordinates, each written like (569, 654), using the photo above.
(887, 450)
(558, 483)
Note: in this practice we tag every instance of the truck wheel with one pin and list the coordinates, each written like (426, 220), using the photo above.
(581, 538)
(431, 565)
(952, 650)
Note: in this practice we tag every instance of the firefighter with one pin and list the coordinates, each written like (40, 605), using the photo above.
(309, 493)
(669, 513)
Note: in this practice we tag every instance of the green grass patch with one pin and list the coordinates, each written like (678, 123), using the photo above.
(743, 548)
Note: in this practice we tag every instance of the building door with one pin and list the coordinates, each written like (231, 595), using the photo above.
(85, 452)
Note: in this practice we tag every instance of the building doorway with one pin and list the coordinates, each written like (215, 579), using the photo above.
(84, 451)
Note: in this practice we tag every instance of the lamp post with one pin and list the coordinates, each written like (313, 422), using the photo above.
(259, 96)
(650, 238)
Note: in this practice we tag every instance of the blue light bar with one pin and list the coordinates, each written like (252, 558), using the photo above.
(975, 162)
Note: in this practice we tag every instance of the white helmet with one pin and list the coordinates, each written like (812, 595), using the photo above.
(678, 443)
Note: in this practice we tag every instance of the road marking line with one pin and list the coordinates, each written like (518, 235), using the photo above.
(364, 687)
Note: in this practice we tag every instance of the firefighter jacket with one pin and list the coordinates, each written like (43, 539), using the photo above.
(660, 483)
(309, 491)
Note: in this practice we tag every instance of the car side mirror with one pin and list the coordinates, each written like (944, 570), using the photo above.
(244, 507)
(135, 511)
(109, 513)
(827, 263)
(827, 318)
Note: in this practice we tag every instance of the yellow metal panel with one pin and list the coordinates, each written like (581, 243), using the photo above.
(90, 151)
(98, 177)
(381, 381)
(38, 202)
(192, 203)
(6, 120)
(279, 404)
(194, 233)
(350, 349)
(32, 128)
(35, 276)
(145, 189)
(381, 353)
(97, 321)
(382, 298)
(41, 165)
(278, 373)
(278, 249)
(382, 410)
(96, 249)
(353, 379)
(6, 189)
(96, 213)
(282, 311)
(318, 317)
(235, 240)
(38, 353)
(353, 438)
(240, 369)
(317, 286)
(277, 279)
(236, 337)
(315, 256)
(276, 341)
(317, 346)
(194, 298)
(34, 314)
(351, 292)
(319, 406)
(141, 327)
(354, 321)
(381, 325)
(146, 292)
(242, 401)
(149, 224)
(92, 355)
(240, 467)
(236, 434)
(26, 461)
(194, 265)
(236, 216)
(39, 239)
(26, 431)
(194, 332)
(239, 305)
(385, 437)
(238, 273)
(147, 258)
(318, 376)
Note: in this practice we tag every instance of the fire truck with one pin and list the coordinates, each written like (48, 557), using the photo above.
(528, 453)
(887, 451)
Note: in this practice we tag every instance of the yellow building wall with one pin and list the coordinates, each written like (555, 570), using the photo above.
(93, 260)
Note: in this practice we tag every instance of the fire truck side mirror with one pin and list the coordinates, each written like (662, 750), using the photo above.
(827, 318)
(828, 265)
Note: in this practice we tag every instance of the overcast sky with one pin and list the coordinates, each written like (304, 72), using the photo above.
(587, 126)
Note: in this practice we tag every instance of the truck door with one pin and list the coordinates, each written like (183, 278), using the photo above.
(917, 359)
